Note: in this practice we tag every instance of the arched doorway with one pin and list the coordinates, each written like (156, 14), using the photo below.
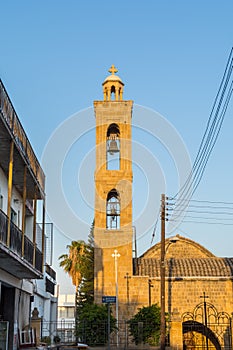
(206, 328)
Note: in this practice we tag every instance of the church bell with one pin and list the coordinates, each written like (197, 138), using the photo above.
(113, 148)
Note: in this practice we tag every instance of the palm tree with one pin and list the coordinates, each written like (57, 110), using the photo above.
(74, 263)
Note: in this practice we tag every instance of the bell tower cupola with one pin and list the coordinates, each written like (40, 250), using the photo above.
(113, 86)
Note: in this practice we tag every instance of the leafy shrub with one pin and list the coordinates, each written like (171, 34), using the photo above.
(145, 325)
(46, 339)
(92, 324)
(56, 339)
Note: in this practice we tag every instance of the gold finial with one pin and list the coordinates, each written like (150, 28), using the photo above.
(113, 69)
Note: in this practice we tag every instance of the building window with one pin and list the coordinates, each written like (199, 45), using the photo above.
(61, 312)
(113, 210)
(13, 216)
(49, 286)
(113, 147)
(66, 312)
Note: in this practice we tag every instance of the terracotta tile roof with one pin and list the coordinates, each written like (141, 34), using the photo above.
(188, 267)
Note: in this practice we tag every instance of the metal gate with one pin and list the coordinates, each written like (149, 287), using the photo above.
(206, 328)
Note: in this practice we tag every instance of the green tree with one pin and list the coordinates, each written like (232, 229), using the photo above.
(149, 320)
(92, 325)
(86, 294)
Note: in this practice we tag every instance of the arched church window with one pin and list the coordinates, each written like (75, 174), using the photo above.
(113, 147)
(113, 210)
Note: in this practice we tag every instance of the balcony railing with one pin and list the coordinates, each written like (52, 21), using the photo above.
(8, 112)
(50, 271)
(49, 286)
(16, 242)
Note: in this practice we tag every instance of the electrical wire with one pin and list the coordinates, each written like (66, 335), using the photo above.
(208, 142)
(214, 138)
(154, 230)
(199, 204)
(214, 215)
(199, 201)
(204, 222)
(211, 133)
(205, 212)
(200, 207)
(208, 134)
(208, 218)
(203, 206)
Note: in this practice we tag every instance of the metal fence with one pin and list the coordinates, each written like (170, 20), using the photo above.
(64, 329)
(91, 333)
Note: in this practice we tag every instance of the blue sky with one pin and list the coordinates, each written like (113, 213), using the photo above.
(171, 56)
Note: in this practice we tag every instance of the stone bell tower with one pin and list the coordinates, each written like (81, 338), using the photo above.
(113, 191)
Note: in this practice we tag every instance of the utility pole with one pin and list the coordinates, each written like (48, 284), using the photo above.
(162, 276)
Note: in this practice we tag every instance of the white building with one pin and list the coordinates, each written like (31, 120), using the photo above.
(66, 317)
(24, 275)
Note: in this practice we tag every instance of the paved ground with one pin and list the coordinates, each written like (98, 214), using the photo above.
(73, 347)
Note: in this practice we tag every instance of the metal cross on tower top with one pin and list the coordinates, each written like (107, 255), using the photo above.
(113, 69)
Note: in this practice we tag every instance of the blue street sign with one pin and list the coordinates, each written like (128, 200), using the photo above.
(109, 299)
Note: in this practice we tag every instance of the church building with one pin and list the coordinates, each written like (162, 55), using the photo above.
(198, 285)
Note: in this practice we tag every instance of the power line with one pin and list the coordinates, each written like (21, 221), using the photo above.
(203, 212)
(208, 218)
(209, 139)
(203, 206)
(216, 211)
(154, 230)
(199, 201)
(213, 207)
(211, 133)
(203, 222)
(214, 217)
(214, 138)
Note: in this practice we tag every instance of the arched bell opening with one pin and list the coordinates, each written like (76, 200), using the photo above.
(113, 93)
(113, 148)
(113, 210)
